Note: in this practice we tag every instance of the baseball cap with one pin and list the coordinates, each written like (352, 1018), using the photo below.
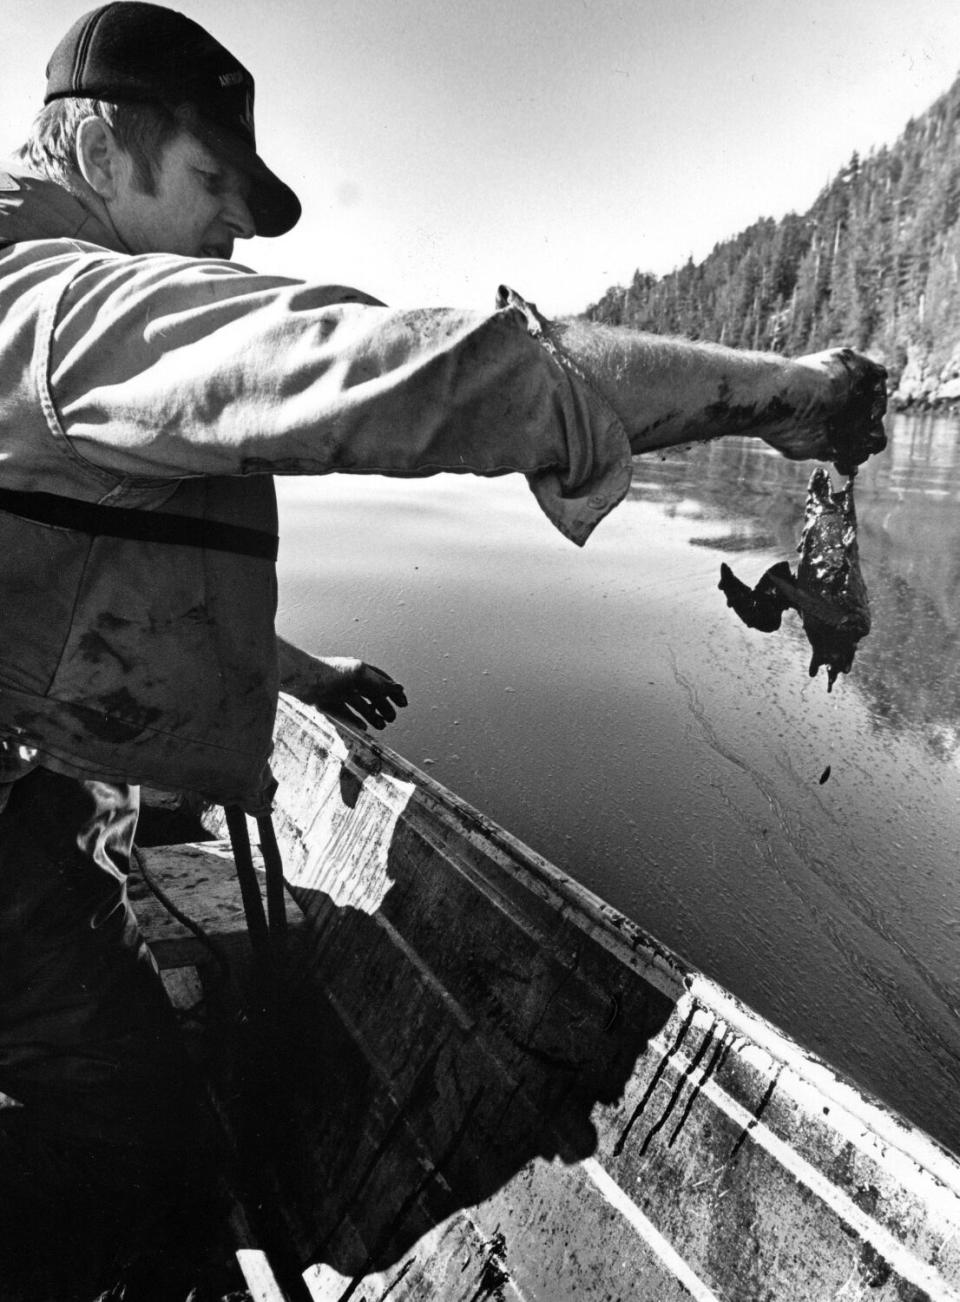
(132, 51)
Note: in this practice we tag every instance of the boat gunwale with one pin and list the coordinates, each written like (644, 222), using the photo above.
(872, 1125)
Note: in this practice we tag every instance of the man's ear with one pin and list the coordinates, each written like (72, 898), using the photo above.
(99, 157)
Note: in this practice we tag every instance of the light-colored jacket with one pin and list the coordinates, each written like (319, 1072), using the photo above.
(181, 386)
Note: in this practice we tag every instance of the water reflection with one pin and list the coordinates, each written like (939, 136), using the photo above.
(751, 501)
(608, 708)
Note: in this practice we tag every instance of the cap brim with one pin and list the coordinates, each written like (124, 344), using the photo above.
(274, 207)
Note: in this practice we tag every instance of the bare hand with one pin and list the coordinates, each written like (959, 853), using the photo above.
(356, 692)
(341, 686)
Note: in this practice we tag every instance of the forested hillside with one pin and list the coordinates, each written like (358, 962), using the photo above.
(874, 263)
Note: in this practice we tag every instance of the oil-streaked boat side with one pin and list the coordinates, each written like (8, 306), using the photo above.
(479, 1081)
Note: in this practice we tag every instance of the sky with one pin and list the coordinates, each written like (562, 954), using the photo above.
(441, 147)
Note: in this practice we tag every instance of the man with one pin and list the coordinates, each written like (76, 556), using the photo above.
(149, 390)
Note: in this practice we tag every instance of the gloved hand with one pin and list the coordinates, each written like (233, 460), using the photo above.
(826, 406)
(851, 429)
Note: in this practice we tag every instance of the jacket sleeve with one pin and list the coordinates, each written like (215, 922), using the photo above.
(168, 367)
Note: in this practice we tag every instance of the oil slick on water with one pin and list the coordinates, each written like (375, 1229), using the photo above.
(667, 756)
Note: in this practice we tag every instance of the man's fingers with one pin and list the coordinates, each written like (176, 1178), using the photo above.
(386, 710)
(388, 695)
(386, 689)
(373, 712)
(364, 696)
(376, 709)
(397, 694)
(346, 715)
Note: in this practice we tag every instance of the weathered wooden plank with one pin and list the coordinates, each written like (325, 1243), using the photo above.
(733, 1174)
(468, 1095)
(343, 801)
(201, 881)
(731, 1147)
(451, 1260)
(184, 987)
(259, 1276)
(706, 1228)
(484, 1082)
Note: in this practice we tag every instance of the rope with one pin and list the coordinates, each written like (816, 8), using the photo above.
(157, 890)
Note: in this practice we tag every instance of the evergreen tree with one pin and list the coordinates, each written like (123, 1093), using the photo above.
(874, 263)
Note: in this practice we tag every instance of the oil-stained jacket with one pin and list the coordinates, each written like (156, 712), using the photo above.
(170, 386)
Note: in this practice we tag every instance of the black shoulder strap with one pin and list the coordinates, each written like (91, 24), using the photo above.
(142, 526)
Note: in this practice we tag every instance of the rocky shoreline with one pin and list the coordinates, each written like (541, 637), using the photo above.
(923, 386)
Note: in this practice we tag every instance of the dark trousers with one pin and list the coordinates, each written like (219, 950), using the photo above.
(109, 1133)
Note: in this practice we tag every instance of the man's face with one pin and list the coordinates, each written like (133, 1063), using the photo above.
(198, 210)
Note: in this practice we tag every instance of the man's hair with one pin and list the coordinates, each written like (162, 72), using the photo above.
(143, 130)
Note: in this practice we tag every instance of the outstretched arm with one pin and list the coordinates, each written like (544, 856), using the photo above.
(827, 407)
(341, 686)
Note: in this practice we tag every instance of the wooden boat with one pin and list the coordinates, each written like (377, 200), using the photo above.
(479, 1081)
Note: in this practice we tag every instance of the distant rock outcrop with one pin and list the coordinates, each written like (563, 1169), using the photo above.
(921, 385)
